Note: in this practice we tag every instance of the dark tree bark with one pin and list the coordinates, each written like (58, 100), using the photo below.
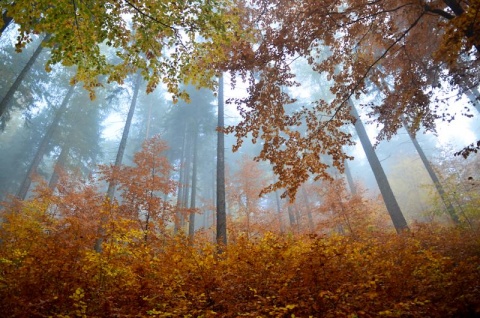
(221, 205)
(433, 175)
(6, 21)
(126, 130)
(388, 197)
(11, 91)
(27, 181)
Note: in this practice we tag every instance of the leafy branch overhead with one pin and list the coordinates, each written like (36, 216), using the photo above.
(165, 40)
(408, 52)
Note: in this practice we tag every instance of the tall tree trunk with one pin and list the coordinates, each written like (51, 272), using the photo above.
(187, 178)
(214, 204)
(291, 215)
(432, 174)
(309, 210)
(62, 158)
(6, 21)
(298, 218)
(193, 193)
(388, 197)
(181, 185)
(119, 158)
(351, 183)
(11, 91)
(247, 214)
(27, 181)
(123, 142)
(221, 205)
(279, 212)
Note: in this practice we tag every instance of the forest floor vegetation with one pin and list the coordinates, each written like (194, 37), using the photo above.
(48, 268)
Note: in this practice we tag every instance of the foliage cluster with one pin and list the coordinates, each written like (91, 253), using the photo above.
(430, 272)
(50, 268)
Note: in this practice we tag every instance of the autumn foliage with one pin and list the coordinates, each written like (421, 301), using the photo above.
(49, 268)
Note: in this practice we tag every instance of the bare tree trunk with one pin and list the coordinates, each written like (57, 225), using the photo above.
(388, 197)
(193, 193)
(126, 129)
(309, 210)
(221, 205)
(11, 91)
(119, 158)
(279, 213)
(27, 181)
(187, 178)
(181, 185)
(432, 174)
(291, 215)
(62, 158)
(351, 183)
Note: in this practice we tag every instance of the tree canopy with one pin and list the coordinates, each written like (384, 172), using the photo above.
(410, 51)
(164, 39)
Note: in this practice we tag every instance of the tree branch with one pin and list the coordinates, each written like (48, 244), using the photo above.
(439, 12)
(371, 66)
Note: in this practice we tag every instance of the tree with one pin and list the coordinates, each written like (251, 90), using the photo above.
(433, 176)
(247, 184)
(4, 103)
(126, 130)
(221, 205)
(159, 39)
(142, 187)
(388, 197)
(355, 36)
(42, 147)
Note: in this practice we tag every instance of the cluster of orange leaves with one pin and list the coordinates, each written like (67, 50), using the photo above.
(48, 268)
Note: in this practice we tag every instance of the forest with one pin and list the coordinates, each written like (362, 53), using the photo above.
(239, 158)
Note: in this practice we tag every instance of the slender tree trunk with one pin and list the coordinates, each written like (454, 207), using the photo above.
(351, 183)
(298, 217)
(432, 174)
(221, 205)
(279, 209)
(247, 214)
(62, 158)
(119, 158)
(181, 184)
(279, 213)
(291, 215)
(309, 210)
(187, 179)
(11, 91)
(214, 204)
(27, 181)
(193, 193)
(123, 142)
(6, 21)
(388, 197)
